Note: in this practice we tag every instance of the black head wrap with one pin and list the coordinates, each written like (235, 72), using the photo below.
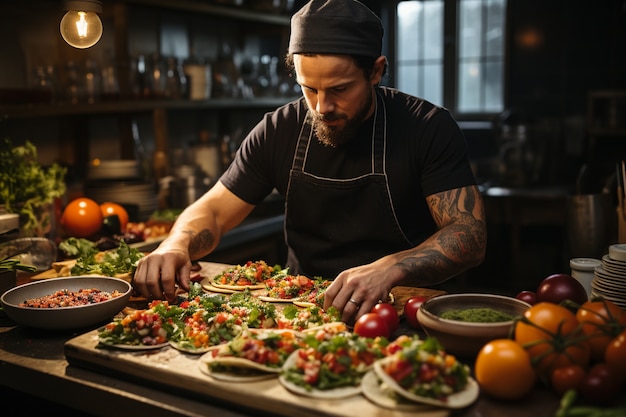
(345, 27)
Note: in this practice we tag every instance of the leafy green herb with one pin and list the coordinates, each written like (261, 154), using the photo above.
(27, 188)
(120, 261)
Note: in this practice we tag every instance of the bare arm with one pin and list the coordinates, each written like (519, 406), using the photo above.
(196, 233)
(458, 244)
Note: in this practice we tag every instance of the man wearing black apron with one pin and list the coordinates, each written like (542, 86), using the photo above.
(377, 184)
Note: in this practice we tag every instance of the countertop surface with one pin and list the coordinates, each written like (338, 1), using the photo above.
(34, 362)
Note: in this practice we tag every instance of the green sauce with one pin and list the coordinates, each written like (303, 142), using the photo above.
(477, 315)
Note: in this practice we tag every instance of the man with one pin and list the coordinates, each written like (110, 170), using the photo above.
(377, 184)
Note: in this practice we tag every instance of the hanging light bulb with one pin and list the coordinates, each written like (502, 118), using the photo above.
(81, 27)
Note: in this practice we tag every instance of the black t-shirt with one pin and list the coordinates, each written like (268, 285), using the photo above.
(426, 153)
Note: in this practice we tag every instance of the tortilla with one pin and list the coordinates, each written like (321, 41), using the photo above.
(303, 304)
(240, 369)
(380, 394)
(188, 349)
(457, 400)
(249, 375)
(212, 288)
(329, 394)
(124, 346)
(238, 287)
(278, 300)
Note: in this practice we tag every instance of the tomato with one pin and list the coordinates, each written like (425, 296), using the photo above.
(110, 209)
(557, 288)
(529, 297)
(551, 335)
(567, 377)
(81, 217)
(411, 307)
(504, 371)
(602, 321)
(389, 314)
(615, 355)
(371, 325)
(600, 386)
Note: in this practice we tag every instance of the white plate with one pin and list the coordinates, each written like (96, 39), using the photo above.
(618, 252)
(457, 400)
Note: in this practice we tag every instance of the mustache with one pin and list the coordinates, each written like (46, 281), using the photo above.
(328, 117)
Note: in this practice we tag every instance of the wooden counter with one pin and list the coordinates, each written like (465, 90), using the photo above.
(65, 368)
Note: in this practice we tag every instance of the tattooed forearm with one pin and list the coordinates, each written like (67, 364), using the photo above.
(460, 242)
(200, 243)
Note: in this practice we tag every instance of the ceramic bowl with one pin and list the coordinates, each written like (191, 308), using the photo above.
(65, 318)
(461, 338)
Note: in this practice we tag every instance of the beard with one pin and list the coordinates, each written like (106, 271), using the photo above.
(335, 136)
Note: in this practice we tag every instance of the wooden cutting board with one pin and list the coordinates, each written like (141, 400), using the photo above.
(171, 369)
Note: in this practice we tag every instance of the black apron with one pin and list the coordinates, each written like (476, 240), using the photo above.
(334, 224)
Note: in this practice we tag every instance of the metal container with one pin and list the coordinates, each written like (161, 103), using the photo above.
(589, 224)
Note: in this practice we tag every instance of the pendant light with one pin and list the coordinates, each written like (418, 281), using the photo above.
(81, 26)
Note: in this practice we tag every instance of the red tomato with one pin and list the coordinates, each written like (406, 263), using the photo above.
(602, 321)
(110, 209)
(601, 385)
(411, 307)
(527, 296)
(567, 377)
(615, 355)
(560, 287)
(371, 325)
(389, 314)
(81, 218)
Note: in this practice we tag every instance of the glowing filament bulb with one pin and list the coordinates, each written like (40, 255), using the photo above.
(81, 25)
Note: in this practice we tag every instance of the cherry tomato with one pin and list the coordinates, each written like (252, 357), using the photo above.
(504, 371)
(527, 296)
(551, 335)
(81, 218)
(600, 386)
(371, 325)
(567, 377)
(109, 209)
(615, 356)
(602, 321)
(411, 307)
(389, 314)
(557, 288)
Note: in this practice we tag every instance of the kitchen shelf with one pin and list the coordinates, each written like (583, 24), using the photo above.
(136, 106)
(257, 16)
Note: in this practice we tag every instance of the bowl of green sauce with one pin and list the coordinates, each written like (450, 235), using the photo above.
(464, 323)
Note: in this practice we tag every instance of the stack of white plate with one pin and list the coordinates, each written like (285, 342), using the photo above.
(118, 169)
(142, 194)
(609, 280)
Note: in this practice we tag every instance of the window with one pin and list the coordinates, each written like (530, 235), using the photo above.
(475, 72)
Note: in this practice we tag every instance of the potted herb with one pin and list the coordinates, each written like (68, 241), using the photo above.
(27, 188)
(8, 276)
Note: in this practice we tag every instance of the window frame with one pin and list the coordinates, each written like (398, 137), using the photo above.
(450, 57)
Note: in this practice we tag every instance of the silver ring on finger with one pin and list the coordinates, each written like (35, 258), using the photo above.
(355, 302)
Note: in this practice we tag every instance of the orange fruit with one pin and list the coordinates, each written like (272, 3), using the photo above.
(82, 217)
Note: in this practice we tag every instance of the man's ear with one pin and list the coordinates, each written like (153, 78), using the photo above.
(379, 70)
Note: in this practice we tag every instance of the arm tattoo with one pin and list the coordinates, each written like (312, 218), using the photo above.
(460, 242)
(200, 243)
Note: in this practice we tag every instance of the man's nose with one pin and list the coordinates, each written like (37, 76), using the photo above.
(324, 103)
